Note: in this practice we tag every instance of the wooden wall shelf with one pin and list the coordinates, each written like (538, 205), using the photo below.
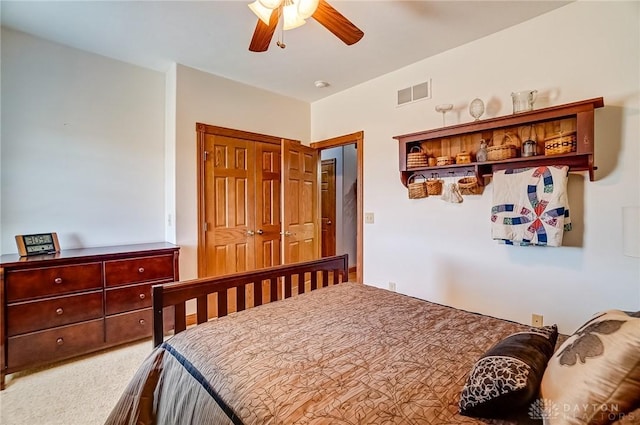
(538, 125)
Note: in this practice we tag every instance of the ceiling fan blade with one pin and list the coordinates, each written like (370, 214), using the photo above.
(263, 33)
(335, 22)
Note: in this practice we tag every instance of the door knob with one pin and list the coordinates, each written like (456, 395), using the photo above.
(287, 233)
(259, 231)
(329, 222)
(250, 233)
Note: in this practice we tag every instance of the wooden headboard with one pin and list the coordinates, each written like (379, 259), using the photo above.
(309, 275)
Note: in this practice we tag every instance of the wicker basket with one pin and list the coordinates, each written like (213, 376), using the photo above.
(416, 158)
(463, 158)
(434, 186)
(506, 150)
(560, 143)
(417, 190)
(468, 185)
(444, 160)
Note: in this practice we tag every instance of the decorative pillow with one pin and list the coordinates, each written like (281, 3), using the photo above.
(507, 377)
(594, 377)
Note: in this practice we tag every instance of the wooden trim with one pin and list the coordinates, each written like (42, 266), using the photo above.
(200, 172)
(192, 319)
(348, 139)
(238, 134)
(177, 294)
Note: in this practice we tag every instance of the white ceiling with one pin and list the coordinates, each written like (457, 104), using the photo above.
(214, 36)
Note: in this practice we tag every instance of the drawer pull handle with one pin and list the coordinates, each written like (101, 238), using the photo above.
(58, 280)
(141, 270)
(141, 321)
(59, 311)
(142, 296)
(59, 341)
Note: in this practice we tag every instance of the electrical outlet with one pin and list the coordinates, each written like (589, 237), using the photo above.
(392, 286)
(537, 320)
(368, 218)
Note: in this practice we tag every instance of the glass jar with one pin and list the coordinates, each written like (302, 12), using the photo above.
(529, 148)
(523, 100)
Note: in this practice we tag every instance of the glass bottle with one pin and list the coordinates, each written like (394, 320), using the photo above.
(481, 155)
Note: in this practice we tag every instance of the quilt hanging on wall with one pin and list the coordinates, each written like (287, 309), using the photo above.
(530, 206)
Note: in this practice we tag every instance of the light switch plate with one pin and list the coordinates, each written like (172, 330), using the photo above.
(368, 218)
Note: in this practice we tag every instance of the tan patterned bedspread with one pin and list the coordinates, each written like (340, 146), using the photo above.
(347, 354)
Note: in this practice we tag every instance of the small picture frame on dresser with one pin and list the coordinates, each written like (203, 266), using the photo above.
(37, 244)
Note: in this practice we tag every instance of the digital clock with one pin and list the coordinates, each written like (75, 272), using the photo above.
(40, 243)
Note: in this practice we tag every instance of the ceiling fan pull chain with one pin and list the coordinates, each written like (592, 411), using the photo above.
(280, 43)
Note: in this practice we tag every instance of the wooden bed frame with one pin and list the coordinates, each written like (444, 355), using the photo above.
(318, 273)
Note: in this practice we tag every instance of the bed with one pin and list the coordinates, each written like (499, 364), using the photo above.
(304, 346)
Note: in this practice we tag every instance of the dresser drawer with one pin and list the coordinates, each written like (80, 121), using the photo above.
(141, 269)
(119, 300)
(129, 326)
(37, 315)
(52, 281)
(54, 344)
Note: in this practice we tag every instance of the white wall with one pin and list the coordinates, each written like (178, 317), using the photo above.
(82, 146)
(91, 150)
(443, 252)
(209, 99)
(170, 153)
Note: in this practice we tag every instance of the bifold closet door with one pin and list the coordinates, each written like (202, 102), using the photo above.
(242, 205)
(301, 226)
(229, 205)
(268, 205)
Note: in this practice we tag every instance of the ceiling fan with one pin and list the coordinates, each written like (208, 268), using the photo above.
(294, 13)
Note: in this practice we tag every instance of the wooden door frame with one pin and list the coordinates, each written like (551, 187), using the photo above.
(350, 139)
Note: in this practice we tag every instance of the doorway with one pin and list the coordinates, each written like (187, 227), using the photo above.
(348, 151)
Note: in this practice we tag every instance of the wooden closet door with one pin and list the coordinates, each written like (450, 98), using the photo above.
(242, 204)
(301, 198)
(229, 205)
(267, 205)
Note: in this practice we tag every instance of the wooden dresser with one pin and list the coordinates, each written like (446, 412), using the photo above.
(57, 306)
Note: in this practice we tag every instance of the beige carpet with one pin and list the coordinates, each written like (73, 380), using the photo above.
(77, 392)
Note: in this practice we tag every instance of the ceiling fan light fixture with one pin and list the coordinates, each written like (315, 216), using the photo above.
(291, 19)
(260, 11)
(289, 14)
(270, 4)
(306, 8)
